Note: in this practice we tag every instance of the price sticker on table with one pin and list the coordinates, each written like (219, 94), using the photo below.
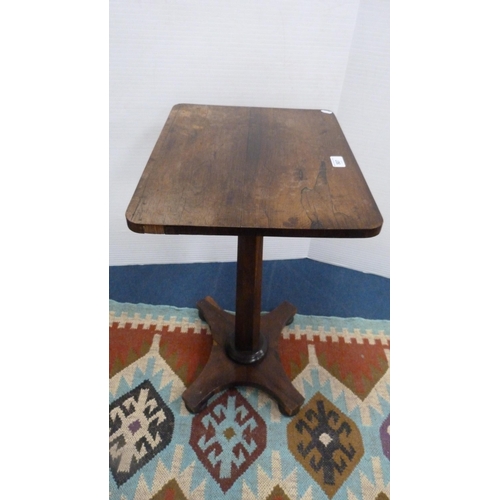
(337, 161)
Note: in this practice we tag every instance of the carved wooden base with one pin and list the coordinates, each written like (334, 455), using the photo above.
(221, 371)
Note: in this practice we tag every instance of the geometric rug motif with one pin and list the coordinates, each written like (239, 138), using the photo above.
(140, 426)
(240, 446)
(173, 347)
(358, 366)
(326, 442)
(385, 436)
(227, 437)
(171, 491)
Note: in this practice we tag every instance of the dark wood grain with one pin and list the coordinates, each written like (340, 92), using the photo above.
(252, 171)
(248, 292)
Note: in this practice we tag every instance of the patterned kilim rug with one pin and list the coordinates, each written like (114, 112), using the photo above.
(240, 446)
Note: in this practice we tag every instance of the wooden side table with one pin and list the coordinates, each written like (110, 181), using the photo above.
(251, 172)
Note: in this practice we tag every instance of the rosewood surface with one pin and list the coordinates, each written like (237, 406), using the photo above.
(267, 171)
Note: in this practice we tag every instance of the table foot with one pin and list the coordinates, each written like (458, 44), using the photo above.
(222, 372)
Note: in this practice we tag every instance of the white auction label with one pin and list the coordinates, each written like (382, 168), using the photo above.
(337, 161)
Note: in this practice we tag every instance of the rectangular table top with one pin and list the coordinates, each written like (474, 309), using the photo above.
(243, 170)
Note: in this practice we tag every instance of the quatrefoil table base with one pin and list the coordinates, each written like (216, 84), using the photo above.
(221, 371)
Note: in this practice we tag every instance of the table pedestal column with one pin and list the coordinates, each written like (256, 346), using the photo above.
(245, 345)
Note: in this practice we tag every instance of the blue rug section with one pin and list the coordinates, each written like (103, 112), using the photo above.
(312, 287)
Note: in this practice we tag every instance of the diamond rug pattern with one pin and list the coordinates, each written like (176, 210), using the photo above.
(240, 446)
